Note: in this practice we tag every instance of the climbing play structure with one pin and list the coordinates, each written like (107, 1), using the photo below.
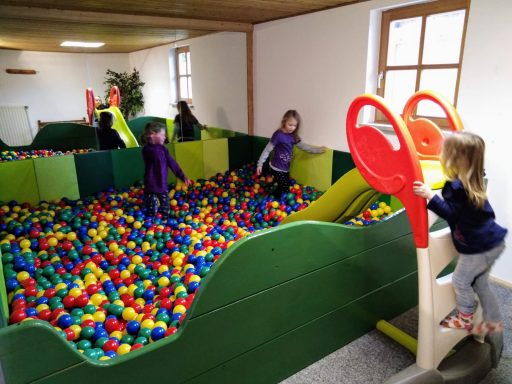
(119, 121)
(420, 142)
(279, 299)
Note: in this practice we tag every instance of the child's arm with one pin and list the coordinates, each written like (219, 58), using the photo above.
(447, 210)
(310, 148)
(264, 155)
(176, 169)
(120, 142)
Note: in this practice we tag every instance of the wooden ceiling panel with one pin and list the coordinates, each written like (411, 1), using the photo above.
(47, 36)
(131, 25)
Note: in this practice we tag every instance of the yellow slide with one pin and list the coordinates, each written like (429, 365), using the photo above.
(351, 195)
(346, 198)
(121, 127)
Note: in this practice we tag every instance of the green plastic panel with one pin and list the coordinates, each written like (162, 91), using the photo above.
(137, 125)
(216, 133)
(307, 344)
(314, 246)
(65, 137)
(127, 166)
(18, 182)
(341, 163)
(240, 151)
(4, 307)
(56, 177)
(189, 156)
(94, 172)
(312, 169)
(215, 157)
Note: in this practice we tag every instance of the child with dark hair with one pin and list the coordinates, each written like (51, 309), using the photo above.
(157, 160)
(108, 137)
(185, 122)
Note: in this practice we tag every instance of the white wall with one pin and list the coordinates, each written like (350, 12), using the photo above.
(57, 90)
(219, 80)
(484, 104)
(317, 64)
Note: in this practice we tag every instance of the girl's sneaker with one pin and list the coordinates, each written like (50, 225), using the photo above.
(487, 327)
(459, 320)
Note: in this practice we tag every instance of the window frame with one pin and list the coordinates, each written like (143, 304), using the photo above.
(418, 10)
(183, 49)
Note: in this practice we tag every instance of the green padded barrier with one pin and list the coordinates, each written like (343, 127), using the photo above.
(171, 178)
(65, 137)
(260, 296)
(215, 133)
(312, 169)
(311, 342)
(240, 151)
(4, 307)
(341, 163)
(170, 128)
(5, 147)
(189, 156)
(215, 157)
(56, 177)
(127, 166)
(137, 125)
(94, 172)
(18, 182)
(258, 145)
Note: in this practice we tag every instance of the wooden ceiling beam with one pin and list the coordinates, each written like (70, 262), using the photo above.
(60, 15)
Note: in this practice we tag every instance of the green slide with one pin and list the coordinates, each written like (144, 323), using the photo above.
(345, 199)
(121, 127)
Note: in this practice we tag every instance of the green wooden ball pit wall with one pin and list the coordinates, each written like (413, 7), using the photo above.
(274, 303)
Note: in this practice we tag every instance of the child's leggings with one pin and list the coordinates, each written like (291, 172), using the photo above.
(472, 275)
(283, 182)
(157, 202)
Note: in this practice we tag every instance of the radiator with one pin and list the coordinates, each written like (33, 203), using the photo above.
(15, 126)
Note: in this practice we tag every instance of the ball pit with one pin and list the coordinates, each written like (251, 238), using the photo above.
(377, 212)
(112, 280)
(37, 153)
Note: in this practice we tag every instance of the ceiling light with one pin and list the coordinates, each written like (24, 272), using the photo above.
(81, 44)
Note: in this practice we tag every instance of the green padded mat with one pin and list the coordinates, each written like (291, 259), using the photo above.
(94, 172)
(189, 156)
(312, 169)
(215, 157)
(56, 177)
(127, 166)
(18, 181)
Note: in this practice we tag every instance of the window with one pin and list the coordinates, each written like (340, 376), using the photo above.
(184, 74)
(421, 48)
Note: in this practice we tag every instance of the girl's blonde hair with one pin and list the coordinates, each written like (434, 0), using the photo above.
(462, 158)
(151, 127)
(292, 113)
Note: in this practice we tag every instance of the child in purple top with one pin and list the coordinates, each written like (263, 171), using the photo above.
(156, 161)
(282, 142)
(475, 233)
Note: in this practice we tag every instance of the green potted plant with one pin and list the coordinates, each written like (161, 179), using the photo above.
(130, 88)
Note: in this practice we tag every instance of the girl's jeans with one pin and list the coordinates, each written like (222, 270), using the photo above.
(471, 276)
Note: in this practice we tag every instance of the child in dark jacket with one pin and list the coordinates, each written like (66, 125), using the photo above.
(108, 137)
(475, 233)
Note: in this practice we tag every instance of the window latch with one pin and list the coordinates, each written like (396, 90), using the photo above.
(380, 77)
